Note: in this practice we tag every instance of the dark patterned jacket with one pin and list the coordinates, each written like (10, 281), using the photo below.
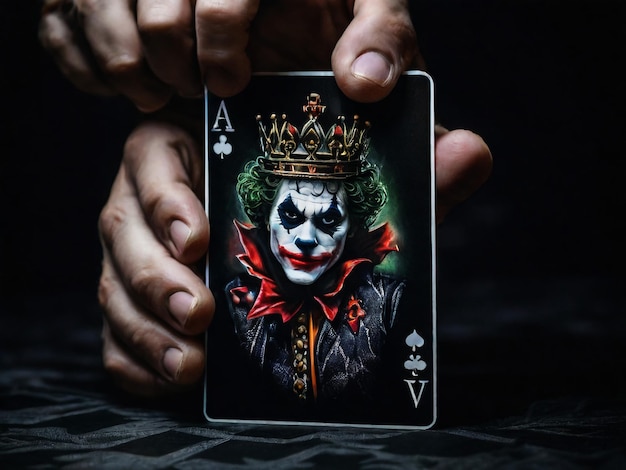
(312, 353)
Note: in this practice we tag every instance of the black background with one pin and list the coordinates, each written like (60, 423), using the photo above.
(530, 269)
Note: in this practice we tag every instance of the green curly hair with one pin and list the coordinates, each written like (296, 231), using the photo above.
(366, 194)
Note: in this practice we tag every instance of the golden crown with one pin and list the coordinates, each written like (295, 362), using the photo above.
(311, 152)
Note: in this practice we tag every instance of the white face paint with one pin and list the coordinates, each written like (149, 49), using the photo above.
(308, 228)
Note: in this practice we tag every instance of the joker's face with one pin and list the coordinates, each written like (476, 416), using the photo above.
(308, 228)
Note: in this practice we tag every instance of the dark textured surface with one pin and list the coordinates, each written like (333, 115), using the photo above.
(501, 408)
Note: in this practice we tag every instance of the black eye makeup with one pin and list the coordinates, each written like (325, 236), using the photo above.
(329, 220)
(290, 216)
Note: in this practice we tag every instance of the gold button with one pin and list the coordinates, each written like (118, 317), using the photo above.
(298, 385)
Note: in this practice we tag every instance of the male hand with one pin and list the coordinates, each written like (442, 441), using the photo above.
(149, 50)
(154, 229)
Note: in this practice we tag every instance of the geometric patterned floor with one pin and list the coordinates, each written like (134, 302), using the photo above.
(58, 410)
(57, 427)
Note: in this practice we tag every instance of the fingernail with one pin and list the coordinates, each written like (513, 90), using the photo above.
(172, 360)
(372, 66)
(180, 304)
(179, 233)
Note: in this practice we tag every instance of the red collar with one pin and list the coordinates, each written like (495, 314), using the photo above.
(372, 247)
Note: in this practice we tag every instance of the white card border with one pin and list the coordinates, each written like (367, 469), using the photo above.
(433, 224)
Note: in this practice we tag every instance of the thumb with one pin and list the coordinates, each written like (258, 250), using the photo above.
(376, 47)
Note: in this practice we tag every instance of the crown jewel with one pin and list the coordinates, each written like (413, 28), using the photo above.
(311, 152)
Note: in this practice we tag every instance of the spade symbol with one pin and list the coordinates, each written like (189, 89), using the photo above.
(414, 341)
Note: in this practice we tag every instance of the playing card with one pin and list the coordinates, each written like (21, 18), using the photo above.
(321, 257)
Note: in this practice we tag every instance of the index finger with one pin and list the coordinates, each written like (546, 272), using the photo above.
(165, 167)
(167, 30)
(222, 30)
(111, 30)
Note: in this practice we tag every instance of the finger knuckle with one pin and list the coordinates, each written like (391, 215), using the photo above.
(123, 64)
(134, 147)
(53, 38)
(106, 288)
(91, 7)
(158, 19)
(143, 281)
(215, 11)
(88, 5)
(112, 217)
(138, 339)
(113, 364)
(164, 203)
(224, 14)
(154, 196)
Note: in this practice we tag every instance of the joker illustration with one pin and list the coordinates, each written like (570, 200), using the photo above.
(311, 310)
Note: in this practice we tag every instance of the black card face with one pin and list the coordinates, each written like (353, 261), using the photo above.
(322, 254)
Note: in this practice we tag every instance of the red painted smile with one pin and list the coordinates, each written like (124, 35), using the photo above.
(304, 262)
